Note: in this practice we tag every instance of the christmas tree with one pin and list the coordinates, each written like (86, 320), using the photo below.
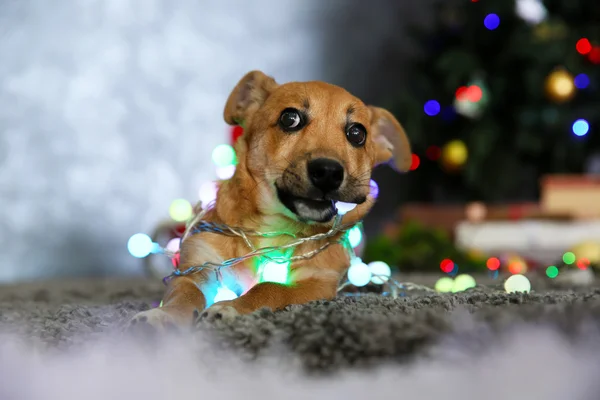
(505, 92)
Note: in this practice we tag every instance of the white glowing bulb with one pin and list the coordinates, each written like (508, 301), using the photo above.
(275, 272)
(344, 208)
(208, 192)
(225, 172)
(173, 245)
(359, 273)
(517, 283)
(532, 11)
(380, 271)
(140, 245)
(355, 236)
(224, 294)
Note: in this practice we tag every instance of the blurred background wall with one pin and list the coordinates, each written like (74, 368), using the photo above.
(110, 109)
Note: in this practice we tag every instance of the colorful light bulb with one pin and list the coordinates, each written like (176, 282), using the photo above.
(359, 273)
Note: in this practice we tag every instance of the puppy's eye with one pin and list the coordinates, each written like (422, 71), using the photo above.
(356, 135)
(291, 120)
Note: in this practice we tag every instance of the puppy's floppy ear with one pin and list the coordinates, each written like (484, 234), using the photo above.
(391, 142)
(247, 97)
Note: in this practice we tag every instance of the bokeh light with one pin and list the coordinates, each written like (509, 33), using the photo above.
(373, 189)
(224, 294)
(517, 283)
(532, 11)
(583, 263)
(415, 162)
(454, 271)
(454, 154)
(594, 55)
(444, 284)
(236, 132)
(463, 282)
(224, 155)
(433, 153)
(181, 210)
(175, 260)
(552, 272)
(476, 211)
(447, 265)
(208, 192)
(226, 172)
(581, 127)
(380, 271)
(359, 273)
(516, 267)
(461, 93)
(583, 46)
(582, 81)
(560, 85)
(493, 263)
(432, 107)
(355, 236)
(491, 21)
(568, 258)
(474, 93)
(140, 245)
(173, 245)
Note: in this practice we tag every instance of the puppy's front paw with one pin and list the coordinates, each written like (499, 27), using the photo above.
(151, 322)
(219, 311)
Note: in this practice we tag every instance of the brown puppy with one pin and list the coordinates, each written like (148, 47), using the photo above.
(306, 145)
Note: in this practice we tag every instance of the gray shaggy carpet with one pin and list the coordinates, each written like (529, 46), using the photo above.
(322, 338)
(325, 335)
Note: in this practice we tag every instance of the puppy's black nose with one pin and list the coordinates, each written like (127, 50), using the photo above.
(326, 174)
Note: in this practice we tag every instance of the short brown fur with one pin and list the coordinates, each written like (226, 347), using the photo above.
(268, 157)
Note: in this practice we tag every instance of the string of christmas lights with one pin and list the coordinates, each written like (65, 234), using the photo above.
(276, 268)
(274, 262)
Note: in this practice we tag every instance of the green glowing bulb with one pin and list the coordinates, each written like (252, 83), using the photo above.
(463, 282)
(355, 236)
(569, 258)
(552, 272)
(517, 283)
(224, 155)
(444, 284)
(180, 210)
(161, 303)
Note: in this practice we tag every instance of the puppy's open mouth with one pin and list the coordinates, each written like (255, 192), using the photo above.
(308, 209)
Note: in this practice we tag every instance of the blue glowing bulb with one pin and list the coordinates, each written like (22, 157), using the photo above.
(380, 272)
(275, 272)
(224, 294)
(581, 127)
(355, 236)
(432, 108)
(359, 273)
(581, 81)
(491, 21)
(140, 245)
